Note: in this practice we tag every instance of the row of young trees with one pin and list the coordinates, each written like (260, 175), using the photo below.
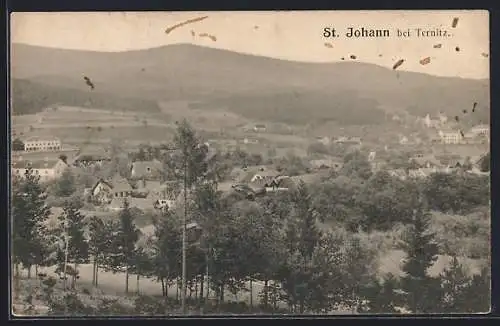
(276, 240)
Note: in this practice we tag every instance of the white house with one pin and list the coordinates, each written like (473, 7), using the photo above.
(42, 144)
(250, 141)
(450, 136)
(46, 169)
(431, 123)
(104, 191)
(481, 130)
(259, 127)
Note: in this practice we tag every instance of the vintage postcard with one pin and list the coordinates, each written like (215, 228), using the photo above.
(250, 163)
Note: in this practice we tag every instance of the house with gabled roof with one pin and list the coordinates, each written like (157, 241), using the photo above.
(101, 192)
(104, 191)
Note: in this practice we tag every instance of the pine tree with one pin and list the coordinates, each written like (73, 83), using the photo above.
(126, 240)
(381, 295)
(29, 214)
(422, 295)
(65, 186)
(190, 166)
(101, 236)
(74, 239)
(302, 237)
(455, 283)
(308, 231)
(167, 249)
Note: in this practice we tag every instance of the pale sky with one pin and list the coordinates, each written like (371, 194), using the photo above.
(290, 35)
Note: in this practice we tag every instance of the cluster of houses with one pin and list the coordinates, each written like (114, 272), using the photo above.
(146, 190)
(479, 134)
(447, 134)
(424, 165)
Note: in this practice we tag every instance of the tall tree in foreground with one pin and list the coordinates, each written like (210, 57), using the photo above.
(166, 245)
(302, 237)
(74, 241)
(189, 165)
(102, 244)
(455, 283)
(422, 292)
(29, 215)
(127, 237)
(382, 296)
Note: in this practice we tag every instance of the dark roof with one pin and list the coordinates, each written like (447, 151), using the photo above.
(141, 168)
(121, 184)
(92, 155)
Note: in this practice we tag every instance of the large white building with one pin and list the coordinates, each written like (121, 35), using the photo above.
(450, 136)
(483, 130)
(47, 169)
(42, 144)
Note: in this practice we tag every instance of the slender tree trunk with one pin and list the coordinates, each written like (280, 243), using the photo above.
(196, 289)
(74, 275)
(163, 293)
(202, 282)
(222, 293)
(266, 293)
(126, 280)
(36, 270)
(166, 285)
(251, 294)
(138, 284)
(97, 274)
(177, 290)
(29, 272)
(208, 278)
(94, 272)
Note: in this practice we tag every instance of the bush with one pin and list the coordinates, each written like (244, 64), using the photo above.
(467, 235)
(147, 305)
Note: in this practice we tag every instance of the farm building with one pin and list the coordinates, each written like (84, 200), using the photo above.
(149, 170)
(46, 169)
(43, 144)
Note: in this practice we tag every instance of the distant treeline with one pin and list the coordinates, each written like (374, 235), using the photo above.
(30, 97)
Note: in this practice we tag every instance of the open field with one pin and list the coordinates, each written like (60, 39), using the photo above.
(75, 135)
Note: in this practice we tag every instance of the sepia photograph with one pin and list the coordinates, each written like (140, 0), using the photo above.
(264, 163)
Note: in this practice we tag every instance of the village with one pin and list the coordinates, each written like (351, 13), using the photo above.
(145, 187)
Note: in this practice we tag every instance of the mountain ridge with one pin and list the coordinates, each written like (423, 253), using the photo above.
(222, 78)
